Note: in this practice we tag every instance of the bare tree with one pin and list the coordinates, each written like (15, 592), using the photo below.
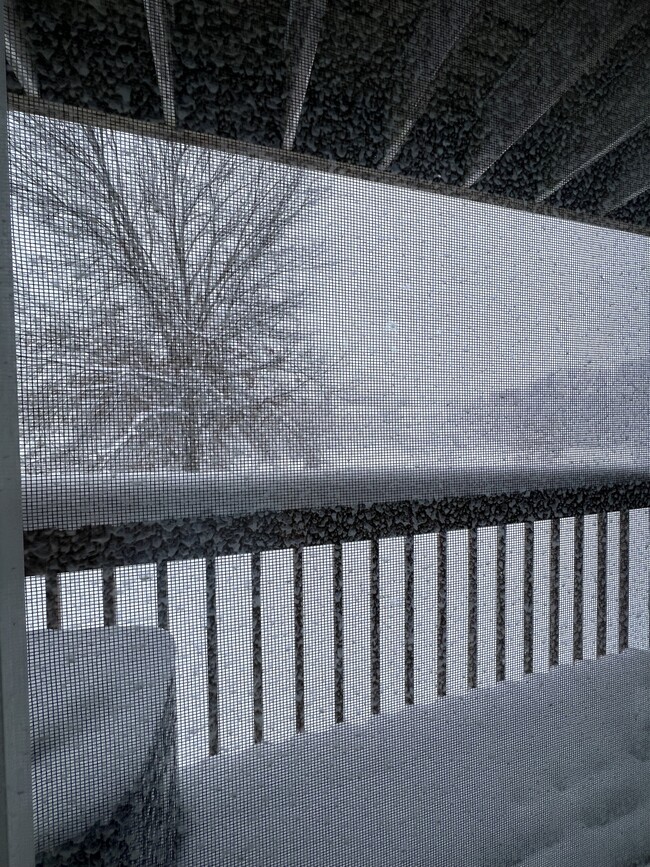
(159, 316)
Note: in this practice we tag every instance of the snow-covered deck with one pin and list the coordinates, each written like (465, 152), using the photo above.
(553, 770)
(289, 620)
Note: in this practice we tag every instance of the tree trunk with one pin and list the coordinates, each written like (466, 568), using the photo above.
(192, 430)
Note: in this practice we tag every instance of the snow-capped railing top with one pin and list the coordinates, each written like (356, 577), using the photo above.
(97, 523)
(73, 501)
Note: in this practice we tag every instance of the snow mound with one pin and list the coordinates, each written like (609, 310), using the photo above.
(103, 719)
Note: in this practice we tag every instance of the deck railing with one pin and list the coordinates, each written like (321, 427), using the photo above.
(512, 519)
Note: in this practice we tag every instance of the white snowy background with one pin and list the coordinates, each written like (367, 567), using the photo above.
(435, 304)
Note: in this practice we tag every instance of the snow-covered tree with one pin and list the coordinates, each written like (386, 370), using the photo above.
(159, 309)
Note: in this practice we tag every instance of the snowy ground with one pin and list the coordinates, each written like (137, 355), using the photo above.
(550, 772)
(357, 476)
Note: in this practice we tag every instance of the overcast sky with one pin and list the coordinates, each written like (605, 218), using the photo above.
(461, 295)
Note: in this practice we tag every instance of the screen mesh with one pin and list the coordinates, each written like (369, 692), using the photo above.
(334, 461)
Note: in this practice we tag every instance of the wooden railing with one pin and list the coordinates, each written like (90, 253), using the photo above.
(515, 520)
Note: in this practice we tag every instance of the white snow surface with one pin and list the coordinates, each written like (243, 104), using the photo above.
(553, 770)
(72, 500)
(96, 704)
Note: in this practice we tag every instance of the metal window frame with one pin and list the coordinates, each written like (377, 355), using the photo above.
(16, 817)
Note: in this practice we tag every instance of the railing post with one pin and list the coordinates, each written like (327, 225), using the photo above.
(212, 637)
(554, 595)
(109, 595)
(624, 580)
(472, 609)
(339, 654)
(162, 595)
(500, 626)
(375, 640)
(578, 587)
(53, 600)
(258, 675)
(409, 622)
(529, 595)
(16, 817)
(601, 612)
(298, 639)
(441, 670)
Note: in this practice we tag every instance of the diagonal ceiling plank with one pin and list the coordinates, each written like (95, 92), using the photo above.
(632, 181)
(301, 41)
(615, 119)
(158, 26)
(18, 53)
(437, 31)
(569, 44)
(161, 132)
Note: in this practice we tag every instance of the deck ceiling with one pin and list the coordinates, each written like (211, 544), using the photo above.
(544, 102)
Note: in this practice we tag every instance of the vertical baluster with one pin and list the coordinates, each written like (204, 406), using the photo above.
(212, 636)
(623, 580)
(425, 569)
(258, 694)
(541, 568)
(53, 600)
(375, 644)
(501, 606)
(472, 609)
(339, 661)
(578, 587)
(613, 579)
(529, 595)
(638, 566)
(162, 596)
(601, 614)
(554, 595)
(409, 618)
(442, 615)
(109, 595)
(299, 638)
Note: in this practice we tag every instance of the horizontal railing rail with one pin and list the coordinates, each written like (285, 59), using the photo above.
(512, 515)
(185, 519)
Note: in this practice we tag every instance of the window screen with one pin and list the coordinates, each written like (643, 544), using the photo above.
(332, 332)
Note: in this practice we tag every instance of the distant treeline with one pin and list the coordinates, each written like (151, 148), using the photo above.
(584, 407)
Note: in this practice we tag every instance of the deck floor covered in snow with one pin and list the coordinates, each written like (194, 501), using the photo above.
(552, 770)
